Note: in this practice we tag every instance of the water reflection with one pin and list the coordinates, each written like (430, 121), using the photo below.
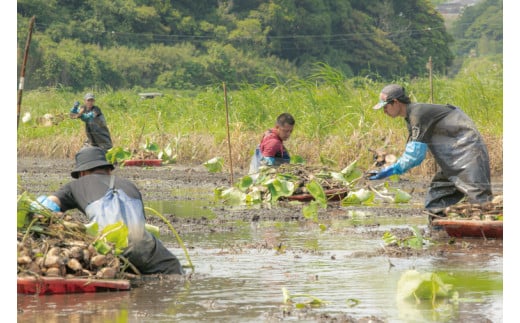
(239, 276)
(240, 284)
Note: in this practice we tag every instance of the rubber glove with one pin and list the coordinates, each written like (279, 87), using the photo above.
(44, 201)
(87, 116)
(269, 161)
(384, 173)
(75, 108)
(413, 156)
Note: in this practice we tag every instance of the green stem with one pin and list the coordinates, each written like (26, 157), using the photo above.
(181, 243)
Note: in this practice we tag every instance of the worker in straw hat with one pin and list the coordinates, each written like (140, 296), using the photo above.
(454, 141)
(99, 194)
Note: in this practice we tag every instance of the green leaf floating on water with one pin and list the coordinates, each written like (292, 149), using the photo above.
(310, 300)
(421, 286)
(214, 165)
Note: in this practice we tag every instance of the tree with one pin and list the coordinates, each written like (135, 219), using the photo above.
(479, 29)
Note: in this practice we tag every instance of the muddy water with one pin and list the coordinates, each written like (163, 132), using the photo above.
(239, 275)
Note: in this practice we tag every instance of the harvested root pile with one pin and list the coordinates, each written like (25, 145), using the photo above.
(491, 211)
(290, 181)
(54, 247)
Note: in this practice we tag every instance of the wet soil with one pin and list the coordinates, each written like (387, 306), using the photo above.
(40, 176)
(43, 176)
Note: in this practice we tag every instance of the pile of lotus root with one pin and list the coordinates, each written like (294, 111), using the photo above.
(490, 211)
(53, 246)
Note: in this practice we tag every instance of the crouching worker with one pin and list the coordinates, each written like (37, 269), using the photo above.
(108, 199)
(271, 150)
(454, 141)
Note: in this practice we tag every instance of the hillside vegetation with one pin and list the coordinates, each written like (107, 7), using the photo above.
(188, 44)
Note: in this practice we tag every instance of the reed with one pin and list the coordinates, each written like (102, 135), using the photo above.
(334, 120)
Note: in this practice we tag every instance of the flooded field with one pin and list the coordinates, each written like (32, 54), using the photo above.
(244, 258)
(239, 274)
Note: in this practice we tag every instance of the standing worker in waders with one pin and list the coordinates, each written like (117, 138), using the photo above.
(271, 150)
(453, 140)
(107, 199)
(95, 124)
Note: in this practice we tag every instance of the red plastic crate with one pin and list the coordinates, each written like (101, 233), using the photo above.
(142, 162)
(60, 285)
(471, 228)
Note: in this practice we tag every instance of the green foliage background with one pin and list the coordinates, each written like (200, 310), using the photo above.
(147, 44)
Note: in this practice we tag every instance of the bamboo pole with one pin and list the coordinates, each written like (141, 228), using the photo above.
(22, 72)
(229, 140)
(430, 67)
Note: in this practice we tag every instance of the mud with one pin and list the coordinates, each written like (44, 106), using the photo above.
(43, 176)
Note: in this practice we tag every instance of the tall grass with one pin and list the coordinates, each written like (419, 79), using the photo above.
(334, 120)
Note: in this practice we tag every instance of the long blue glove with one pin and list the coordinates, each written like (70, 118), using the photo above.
(75, 108)
(87, 116)
(42, 200)
(384, 173)
(269, 161)
(413, 156)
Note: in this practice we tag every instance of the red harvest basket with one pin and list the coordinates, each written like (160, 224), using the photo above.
(471, 228)
(332, 195)
(142, 162)
(60, 285)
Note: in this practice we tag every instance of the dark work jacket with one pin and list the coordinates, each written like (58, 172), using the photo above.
(97, 130)
(144, 251)
(456, 145)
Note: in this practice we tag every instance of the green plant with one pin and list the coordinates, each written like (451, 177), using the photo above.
(416, 241)
(308, 300)
(177, 236)
(191, 126)
(423, 286)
